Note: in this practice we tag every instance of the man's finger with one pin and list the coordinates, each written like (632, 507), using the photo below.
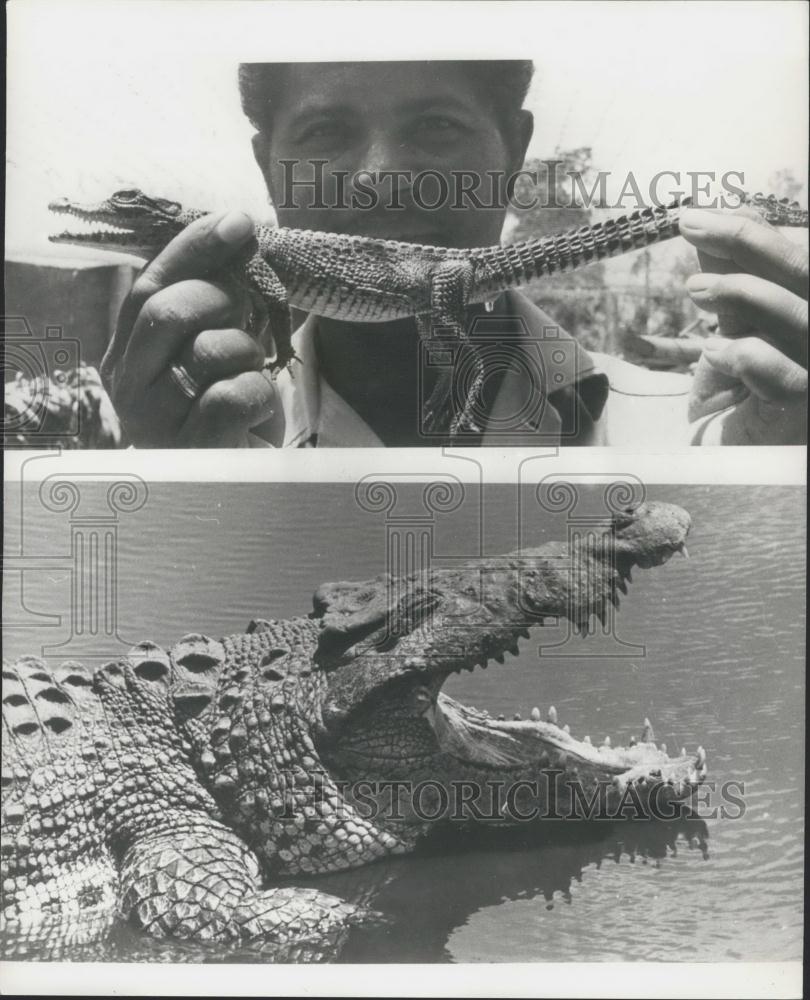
(217, 354)
(170, 318)
(759, 303)
(750, 244)
(200, 250)
(763, 369)
(224, 413)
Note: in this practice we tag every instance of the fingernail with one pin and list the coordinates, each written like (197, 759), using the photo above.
(699, 284)
(234, 228)
(693, 218)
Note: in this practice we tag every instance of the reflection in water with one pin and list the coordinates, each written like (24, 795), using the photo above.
(538, 864)
(539, 861)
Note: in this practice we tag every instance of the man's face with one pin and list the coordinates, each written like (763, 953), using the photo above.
(377, 117)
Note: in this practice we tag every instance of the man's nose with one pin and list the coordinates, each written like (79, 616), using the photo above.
(383, 152)
(381, 166)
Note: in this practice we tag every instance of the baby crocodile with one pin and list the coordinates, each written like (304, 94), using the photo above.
(373, 280)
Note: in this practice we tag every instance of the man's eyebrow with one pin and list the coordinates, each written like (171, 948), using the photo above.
(304, 114)
(435, 102)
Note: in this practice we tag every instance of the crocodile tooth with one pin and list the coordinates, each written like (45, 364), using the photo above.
(516, 717)
(663, 748)
(606, 742)
(622, 587)
(552, 715)
(682, 549)
(614, 599)
(629, 576)
(586, 739)
(567, 729)
(501, 718)
(701, 757)
(535, 714)
(647, 734)
(632, 741)
(683, 751)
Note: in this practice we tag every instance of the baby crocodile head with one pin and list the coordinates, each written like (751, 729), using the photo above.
(128, 221)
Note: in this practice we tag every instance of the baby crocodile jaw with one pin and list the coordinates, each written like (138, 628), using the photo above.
(126, 222)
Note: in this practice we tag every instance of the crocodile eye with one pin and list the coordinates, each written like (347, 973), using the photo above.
(624, 519)
(132, 194)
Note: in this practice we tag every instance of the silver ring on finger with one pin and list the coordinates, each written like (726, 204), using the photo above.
(184, 382)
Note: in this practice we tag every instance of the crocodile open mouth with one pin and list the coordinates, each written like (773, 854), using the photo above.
(128, 226)
(387, 714)
(414, 731)
(89, 227)
(476, 739)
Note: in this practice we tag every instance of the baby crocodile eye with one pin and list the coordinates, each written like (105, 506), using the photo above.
(131, 195)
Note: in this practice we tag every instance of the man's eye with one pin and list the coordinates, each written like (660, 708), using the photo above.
(438, 123)
(438, 129)
(321, 130)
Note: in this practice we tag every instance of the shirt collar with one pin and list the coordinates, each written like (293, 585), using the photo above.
(316, 415)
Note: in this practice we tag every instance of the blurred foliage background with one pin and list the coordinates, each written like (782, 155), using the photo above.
(609, 305)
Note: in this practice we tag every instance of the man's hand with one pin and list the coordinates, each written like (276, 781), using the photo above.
(753, 376)
(175, 314)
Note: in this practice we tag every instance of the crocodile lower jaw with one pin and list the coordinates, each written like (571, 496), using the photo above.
(477, 740)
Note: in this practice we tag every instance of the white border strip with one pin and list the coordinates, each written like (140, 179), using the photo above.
(736, 981)
(785, 466)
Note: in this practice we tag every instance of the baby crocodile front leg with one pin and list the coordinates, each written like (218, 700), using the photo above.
(456, 396)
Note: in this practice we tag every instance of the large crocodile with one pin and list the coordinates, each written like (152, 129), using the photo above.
(167, 786)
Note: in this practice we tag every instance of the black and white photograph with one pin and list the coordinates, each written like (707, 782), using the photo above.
(403, 721)
(516, 709)
(408, 252)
